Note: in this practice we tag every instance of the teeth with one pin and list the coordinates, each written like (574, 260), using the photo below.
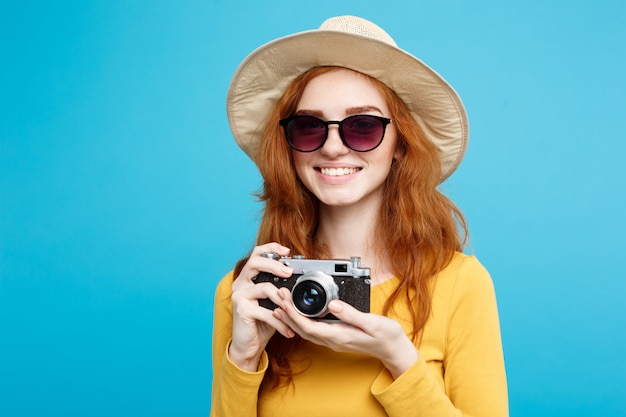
(337, 172)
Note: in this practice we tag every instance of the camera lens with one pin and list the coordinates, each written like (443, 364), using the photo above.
(312, 292)
(309, 298)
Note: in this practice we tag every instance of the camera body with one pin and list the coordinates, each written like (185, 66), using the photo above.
(314, 283)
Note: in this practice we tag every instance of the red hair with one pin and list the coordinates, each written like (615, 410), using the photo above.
(418, 229)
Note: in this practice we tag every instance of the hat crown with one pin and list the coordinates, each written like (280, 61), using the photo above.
(357, 26)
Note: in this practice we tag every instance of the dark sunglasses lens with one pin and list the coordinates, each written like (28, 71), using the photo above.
(306, 133)
(363, 132)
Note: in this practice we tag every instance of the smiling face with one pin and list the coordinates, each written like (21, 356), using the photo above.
(335, 174)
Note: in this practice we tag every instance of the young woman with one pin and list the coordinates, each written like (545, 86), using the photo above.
(352, 136)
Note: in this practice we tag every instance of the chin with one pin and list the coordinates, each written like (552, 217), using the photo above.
(339, 202)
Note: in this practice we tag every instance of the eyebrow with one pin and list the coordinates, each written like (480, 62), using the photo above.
(349, 111)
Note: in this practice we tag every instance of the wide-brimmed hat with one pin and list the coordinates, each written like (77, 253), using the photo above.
(360, 45)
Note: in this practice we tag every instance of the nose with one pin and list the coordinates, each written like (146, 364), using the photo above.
(334, 146)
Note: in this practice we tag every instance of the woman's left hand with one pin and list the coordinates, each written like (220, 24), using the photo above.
(357, 332)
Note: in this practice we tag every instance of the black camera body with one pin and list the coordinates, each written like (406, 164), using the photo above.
(314, 283)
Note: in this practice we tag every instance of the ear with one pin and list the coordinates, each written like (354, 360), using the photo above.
(399, 153)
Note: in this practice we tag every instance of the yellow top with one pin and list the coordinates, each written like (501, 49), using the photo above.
(460, 370)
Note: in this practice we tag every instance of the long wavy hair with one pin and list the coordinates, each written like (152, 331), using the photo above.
(418, 228)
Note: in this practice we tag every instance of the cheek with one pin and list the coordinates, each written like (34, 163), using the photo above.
(391, 151)
(300, 163)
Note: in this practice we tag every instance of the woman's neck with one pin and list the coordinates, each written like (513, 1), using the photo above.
(350, 231)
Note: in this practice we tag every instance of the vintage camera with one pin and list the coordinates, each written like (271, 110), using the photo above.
(315, 283)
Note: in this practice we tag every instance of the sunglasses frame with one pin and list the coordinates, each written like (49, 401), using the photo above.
(285, 123)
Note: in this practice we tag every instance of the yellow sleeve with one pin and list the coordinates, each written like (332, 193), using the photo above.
(473, 363)
(235, 391)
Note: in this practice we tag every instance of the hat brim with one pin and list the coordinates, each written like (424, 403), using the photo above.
(264, 75)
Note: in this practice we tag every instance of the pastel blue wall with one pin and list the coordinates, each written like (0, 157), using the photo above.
(124, 199)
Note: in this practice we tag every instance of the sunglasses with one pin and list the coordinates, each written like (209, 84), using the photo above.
(361, 132)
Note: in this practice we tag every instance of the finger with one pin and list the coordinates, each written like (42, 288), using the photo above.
(307, 328)
(259, 264)
(353, 326)
(284, 317)
(245, 304)
(296, 316)
(286, 311)
(247, 311)
(374, 326)
(272, 247)
(348, 314)
(268, 317)
(256, 292)
(264, 290)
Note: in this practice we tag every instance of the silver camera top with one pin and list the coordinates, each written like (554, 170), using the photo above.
(335, 267)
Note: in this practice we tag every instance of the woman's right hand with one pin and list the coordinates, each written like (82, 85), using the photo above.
(253, 325)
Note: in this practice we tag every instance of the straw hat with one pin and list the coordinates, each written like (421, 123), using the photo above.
(360, 45)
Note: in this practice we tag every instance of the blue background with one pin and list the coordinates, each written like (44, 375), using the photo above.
(124, 199)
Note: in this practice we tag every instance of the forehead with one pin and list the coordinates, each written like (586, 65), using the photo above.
(339, 90)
